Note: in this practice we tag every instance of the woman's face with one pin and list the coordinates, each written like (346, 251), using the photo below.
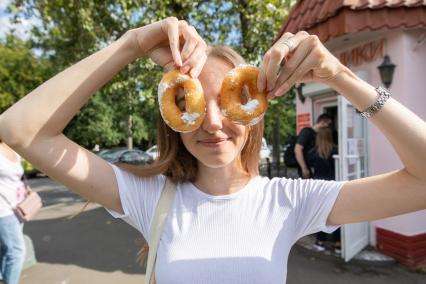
(219, 141)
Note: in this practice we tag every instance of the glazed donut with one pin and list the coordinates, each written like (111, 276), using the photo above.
(195, 104)
(241, 81)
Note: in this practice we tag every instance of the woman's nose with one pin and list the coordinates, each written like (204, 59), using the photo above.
(213, 119)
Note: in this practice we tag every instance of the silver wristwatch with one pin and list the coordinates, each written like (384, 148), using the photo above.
(381, 99)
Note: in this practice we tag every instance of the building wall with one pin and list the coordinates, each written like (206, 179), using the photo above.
(408, 87)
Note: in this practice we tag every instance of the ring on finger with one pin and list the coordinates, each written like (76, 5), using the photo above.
(289, 43)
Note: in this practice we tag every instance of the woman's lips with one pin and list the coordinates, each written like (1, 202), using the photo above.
(213, 142)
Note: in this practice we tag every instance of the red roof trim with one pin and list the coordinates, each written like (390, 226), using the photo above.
(332, 18)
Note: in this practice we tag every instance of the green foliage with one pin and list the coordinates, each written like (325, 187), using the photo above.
(71, 30)
(20, 71)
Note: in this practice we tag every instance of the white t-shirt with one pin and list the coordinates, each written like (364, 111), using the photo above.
(11, 186)
(244, 237)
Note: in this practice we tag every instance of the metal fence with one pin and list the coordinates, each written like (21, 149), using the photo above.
(271, 169)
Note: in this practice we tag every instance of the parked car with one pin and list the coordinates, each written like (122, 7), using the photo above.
(153, 152)
(127, 156)
(265, 152)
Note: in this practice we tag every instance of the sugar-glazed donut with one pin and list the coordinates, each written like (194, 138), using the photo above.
(195, 104)
(239, 82)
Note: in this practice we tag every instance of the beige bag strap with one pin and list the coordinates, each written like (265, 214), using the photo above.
(157, 225)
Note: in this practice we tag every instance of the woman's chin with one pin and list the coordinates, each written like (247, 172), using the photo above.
(217, 162)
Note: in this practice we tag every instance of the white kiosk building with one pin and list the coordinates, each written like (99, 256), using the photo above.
(365, 35)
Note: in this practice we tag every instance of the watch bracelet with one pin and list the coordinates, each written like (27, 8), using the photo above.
(383, 96)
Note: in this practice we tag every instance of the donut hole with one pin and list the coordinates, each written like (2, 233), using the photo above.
(245, 94)
(180, 99)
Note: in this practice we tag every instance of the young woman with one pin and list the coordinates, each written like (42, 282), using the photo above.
(12, 191)
(321, 163)
(226, 224)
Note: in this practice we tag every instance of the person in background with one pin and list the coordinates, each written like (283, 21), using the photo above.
(306, 141)
(321, 164)
(12, 191)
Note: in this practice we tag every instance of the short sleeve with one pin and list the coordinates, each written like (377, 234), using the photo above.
(139, 197)
(304, 137)
(312, 201)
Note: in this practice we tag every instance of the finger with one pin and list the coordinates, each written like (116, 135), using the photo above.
(278, 53)
(305, 67)
(193, 59)
(261, 78)
(191, 40)
(173, 34)
(195, 72)
(293, 63)
(196, 61)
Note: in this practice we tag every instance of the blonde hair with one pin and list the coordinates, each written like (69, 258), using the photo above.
(324, 142)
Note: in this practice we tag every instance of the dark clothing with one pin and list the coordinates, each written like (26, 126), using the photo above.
(333, 237)
(306, 139)
(322, 168)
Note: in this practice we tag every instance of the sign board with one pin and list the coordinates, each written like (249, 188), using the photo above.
(363, 54)
(303, 120)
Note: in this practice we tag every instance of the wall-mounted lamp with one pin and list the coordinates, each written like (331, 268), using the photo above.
(386, 70)
(300, 92)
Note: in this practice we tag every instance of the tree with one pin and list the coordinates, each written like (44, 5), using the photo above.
(248, 26)
(20, 70)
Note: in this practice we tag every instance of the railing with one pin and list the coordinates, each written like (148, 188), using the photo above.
(272, 169)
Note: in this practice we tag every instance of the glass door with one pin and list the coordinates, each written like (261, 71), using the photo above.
(351, 163)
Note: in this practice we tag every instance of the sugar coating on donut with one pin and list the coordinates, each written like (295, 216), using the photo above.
(162, 88)
(250, 106)
(239, 66)
(255, 120)
(181, 78)
(190, 118)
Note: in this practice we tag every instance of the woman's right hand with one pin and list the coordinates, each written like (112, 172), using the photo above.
(162, 42)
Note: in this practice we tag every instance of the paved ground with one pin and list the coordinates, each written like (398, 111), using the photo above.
(94, 248)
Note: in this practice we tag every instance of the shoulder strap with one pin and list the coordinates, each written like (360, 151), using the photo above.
(160, 216)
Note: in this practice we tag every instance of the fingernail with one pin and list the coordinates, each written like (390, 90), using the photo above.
(270, 95)
(178, 62)
(184, 69)
(194, 73)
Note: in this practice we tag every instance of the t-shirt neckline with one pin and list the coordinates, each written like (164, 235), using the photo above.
(197, 191)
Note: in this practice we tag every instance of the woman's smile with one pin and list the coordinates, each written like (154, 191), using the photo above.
(213, 142)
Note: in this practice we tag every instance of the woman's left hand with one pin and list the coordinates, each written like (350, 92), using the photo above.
(305, 59)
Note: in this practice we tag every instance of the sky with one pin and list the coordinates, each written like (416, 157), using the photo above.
(21, 30)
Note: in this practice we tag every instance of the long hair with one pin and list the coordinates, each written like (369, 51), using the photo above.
(324, 142)
(175, 161)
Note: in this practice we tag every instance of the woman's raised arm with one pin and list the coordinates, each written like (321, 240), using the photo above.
(33, 126)
(369, 198)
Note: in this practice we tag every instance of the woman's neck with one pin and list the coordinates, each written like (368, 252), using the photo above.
(221, 181)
